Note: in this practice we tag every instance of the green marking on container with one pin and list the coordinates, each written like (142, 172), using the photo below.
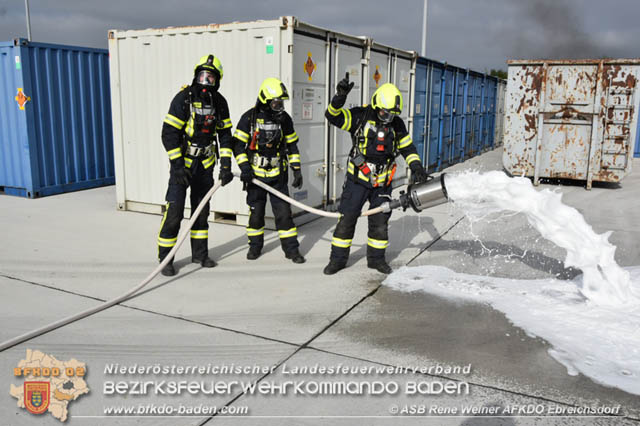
(269, 49)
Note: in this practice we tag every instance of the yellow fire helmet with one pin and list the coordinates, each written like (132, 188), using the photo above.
(211, 63)
(388, 98)
(272, 88)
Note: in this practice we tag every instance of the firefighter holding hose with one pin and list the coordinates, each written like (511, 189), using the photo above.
(265, 145)
(196, 131)
(379, 135)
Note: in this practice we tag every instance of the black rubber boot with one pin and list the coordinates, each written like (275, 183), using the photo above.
(207, 262)
(169, 270)
(380, 265)
(253, 254)
(296, 257)
(333, 267)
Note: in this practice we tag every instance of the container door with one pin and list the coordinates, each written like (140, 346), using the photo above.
(15, 155)
(567, 121)
(619, 93)
(458, 117)
(420, 111)
(308, 106)
(402, 80)
(434, 132)
(345, 58)
(446, 124)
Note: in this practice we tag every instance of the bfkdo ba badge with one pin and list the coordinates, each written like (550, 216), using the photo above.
(36, 396)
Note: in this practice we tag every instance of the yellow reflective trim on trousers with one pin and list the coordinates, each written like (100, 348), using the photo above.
(412, 157)
(347, 120)
(167, 242)
(339, 242)
(188, 161)
(404, 142)
(378, 244)
(333, 111)
(239, 134)
(260, 172)
(287, 233)
(226, 152)
(174, 153)
(242, 158)
(201, 234)
(252, 232)
(164, 218)
(209, 161)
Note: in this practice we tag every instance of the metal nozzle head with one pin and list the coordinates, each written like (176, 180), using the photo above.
(428, 194)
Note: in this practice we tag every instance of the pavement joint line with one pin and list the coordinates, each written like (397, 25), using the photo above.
(485, 386)
(217, 327)
(328, 326)
(435, 240)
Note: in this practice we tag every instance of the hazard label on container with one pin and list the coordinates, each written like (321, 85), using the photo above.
(309, 66)
(307, 110)
(21, 98)
(377, 76)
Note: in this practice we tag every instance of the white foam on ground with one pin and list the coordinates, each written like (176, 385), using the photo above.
(603, 281)
(598, 341)
(592, 322)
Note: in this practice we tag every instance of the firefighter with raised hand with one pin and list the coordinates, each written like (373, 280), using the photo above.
(196, 131)
(265, 144)
(379, 135)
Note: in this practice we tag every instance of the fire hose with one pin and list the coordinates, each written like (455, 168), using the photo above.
(419, 197)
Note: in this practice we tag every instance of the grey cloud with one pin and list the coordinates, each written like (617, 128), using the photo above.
(480, 34)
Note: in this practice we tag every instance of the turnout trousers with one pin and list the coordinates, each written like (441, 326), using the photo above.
(354, 195)
(201, 182)
(257, 201)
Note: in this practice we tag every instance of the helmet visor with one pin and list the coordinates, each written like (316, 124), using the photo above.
(276, 105)
(385, 115)
(206, 78)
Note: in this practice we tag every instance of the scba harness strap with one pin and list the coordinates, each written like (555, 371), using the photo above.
(373, 172)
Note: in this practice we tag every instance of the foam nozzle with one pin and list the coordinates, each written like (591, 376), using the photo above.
(424, 195)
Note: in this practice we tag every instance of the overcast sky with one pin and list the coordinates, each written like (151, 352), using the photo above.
(480, 34)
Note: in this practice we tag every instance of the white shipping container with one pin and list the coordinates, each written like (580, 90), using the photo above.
(148, 67)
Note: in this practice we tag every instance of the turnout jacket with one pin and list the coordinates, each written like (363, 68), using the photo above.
(379, 143)
(266, 144)
(192, 121)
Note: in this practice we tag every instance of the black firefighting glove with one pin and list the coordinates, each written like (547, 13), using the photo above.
(418, 172)
(225, 175)
(342, 90)
(246, 175)
(344, 87)
(181, 173)
(297, 179)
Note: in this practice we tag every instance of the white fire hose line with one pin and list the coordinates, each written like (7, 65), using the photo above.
(128, 295)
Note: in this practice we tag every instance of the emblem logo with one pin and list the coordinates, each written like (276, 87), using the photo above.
(36, 396)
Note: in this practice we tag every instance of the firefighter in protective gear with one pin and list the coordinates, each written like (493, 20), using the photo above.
(196, 132)
(379, 135)
(265, 144)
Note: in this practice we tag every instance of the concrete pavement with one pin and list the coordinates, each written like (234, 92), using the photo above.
(70, 251)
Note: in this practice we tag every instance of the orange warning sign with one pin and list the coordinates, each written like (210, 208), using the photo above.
(377, 76)
(21, 98)
(309, 66)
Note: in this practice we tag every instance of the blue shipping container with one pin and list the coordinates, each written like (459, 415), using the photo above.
(454, 115)
(55, 119)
